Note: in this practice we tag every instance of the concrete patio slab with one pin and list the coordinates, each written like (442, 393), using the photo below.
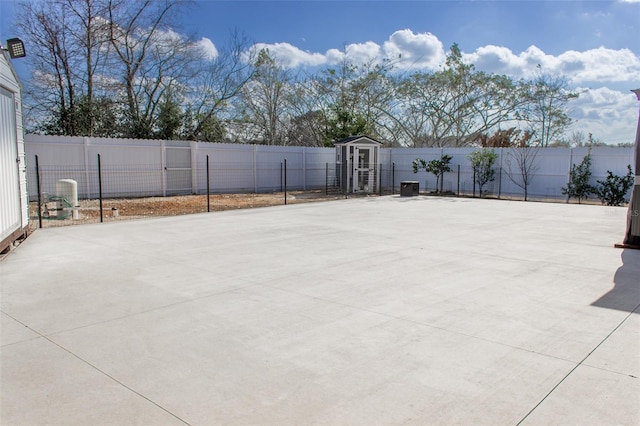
(382, 310)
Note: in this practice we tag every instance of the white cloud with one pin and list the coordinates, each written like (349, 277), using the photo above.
(610, 115)
(363, 52)
(207, 48)
(290, 56)
(601, 65)
(409, 50)
(406, 49)
(594, 65)
(422, 50)
(167, 36)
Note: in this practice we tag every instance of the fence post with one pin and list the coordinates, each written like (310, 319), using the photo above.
(500, 175)
(281, 174)
(326, 179)
(458, 180)
(393, 178)
(474, 184)
(208, 186)
(255, 169)
(285, 181)
(195, 184)
(379, 179)
(100, 186)
(163, 167)
(39, 193)
(304, 169)
(85, 145)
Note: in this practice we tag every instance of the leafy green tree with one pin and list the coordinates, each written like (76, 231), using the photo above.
(199, 127)
(352, 98)
(343, 123)
(579, 176)
(437, 167)
(170, 118)
(613, 190)
(482, 163)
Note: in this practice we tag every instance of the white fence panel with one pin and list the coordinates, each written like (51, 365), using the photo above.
(316, 162)
(232, 167)
(130, 167)
(270, 159)
(151, 167)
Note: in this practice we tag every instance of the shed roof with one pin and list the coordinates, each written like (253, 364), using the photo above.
(357, 139)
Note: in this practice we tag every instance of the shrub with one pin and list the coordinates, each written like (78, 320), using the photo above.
(482, 163)
(437, 167)
(578, 186)
(613, 189)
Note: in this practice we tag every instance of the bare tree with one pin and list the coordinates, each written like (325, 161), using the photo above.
(91, 36)
(522, 166)
(521, 163)
(215, 84)
(53, 58)
(306, 129)
(351, 98)
(263, 100)
(454, 106)
(151, 58)
(547, 97)
(89, 55)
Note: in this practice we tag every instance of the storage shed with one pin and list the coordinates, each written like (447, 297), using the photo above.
(14, 205)
(358, 164)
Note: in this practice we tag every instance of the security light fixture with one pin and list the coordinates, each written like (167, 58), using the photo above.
(15, 47)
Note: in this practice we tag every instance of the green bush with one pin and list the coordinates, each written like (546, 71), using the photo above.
(482, 163)
(579, 176)
(437, 167)
(613, 189)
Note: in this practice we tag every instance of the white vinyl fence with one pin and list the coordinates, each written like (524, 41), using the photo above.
(136, 168)
(552, 166)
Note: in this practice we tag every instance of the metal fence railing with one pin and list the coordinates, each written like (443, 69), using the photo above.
(104, 192)
(212, 175)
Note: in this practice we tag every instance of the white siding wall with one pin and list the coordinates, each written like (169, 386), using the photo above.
(14, 209)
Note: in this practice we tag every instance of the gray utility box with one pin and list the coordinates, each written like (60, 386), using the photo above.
(409, 188)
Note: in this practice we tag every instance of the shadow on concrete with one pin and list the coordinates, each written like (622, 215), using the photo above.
(625, 296)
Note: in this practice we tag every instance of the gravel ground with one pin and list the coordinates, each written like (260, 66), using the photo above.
(140, 208)
(115, 209)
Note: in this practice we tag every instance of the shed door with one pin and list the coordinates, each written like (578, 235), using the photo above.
(10, 210)
(364, 170)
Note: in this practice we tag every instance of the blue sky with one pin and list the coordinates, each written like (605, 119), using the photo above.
(555, 26)
(595, 44)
